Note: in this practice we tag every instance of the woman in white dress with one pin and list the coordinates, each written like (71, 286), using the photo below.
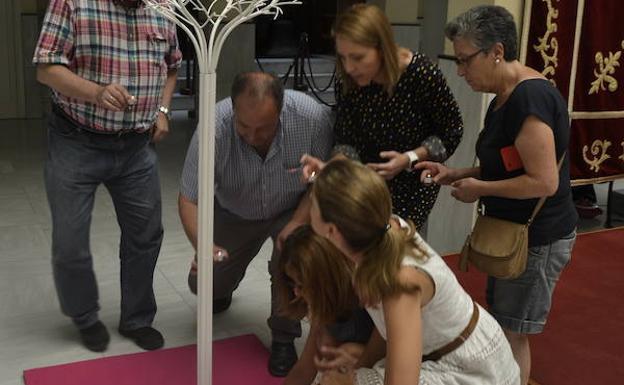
(428, 329)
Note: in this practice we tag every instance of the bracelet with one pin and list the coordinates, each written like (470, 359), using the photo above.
(413, 159)
(165, 111)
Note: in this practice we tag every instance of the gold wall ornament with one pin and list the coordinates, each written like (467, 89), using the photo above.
(606, 67)
(598, 147)
(548, 43)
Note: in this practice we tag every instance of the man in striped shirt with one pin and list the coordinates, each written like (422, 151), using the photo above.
(261, 134)
(111, 65)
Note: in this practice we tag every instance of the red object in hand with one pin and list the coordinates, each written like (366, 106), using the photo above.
(511, 158)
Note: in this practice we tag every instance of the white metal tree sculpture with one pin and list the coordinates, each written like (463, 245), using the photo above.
(221, 17)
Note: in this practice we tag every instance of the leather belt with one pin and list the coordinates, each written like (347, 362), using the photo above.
(58, 111)
(457, 342)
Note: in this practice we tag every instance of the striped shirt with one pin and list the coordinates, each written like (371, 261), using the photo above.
(254, 188)
(107, 43)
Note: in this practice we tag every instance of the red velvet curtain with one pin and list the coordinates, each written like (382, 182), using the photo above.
(592, 82)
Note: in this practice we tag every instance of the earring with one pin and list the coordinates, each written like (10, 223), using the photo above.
(497, 60)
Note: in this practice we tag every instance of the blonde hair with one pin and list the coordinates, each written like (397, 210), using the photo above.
(367, 25)
(357, 201)
(324, 275)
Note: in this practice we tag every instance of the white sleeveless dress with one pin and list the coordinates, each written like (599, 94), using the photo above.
(485, 358)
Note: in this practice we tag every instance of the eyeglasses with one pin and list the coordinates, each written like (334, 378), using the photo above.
(466, 60)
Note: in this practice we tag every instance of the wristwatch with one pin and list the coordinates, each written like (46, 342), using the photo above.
(165, 111)
(413, 159)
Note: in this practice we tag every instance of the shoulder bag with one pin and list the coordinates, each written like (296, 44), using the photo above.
(499, 247)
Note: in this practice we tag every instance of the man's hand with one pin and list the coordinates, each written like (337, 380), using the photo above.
(466, 190)
(218, 255)
(114, 97)
(310, 168)
(161, 128)
(396, 163)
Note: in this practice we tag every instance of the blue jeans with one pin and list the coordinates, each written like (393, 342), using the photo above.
(78, 162)
(522, 304)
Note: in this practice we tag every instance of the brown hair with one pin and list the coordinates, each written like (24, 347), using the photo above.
(357, 201)
(367, 25)
(324, 275)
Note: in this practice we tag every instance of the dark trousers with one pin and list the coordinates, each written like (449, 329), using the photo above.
(243, 239)
(78, 162)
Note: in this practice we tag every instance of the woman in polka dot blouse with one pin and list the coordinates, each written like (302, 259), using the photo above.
(394, 108)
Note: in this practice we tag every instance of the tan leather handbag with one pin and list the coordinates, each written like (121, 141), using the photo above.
(499, 247)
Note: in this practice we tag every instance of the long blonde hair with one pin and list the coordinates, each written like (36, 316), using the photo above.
(357, 201)
(367, 25)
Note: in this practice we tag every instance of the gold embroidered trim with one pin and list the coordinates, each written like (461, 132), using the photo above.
(580, 182)
(598, 147)
(606, 68)
(596, 114)
(548, 43)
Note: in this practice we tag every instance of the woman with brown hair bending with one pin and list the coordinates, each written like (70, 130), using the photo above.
(394, 108)
(426, 326)
(315, 283)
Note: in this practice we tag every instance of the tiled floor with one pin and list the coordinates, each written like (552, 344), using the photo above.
(33, 332)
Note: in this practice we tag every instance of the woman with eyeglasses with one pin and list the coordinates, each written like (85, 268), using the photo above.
(526, 132)
(393, 107)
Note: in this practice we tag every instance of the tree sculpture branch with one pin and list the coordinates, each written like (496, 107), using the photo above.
(223, 16)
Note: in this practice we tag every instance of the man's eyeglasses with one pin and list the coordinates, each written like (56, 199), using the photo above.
(466, 60)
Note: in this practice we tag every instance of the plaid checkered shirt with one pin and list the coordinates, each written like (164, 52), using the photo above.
(104, 42)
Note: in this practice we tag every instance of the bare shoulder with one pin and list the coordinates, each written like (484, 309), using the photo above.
(413, 276)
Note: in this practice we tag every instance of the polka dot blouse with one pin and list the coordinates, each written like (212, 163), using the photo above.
(420, 112)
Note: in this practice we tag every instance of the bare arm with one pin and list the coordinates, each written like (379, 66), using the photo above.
(188, 217)
(374, 351)
(301, 216)
(403, 317)
(113, 96)
(404, 349)
(161, 127)
(536, 146)
(304, 371)
(170, 83)
(443, 175)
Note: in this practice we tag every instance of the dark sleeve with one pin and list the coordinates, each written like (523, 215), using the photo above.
(441, 110)
(344, 115)
(323, 138)
(529, 98)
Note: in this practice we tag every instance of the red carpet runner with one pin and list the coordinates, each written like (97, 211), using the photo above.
(236, 361)
(583, 343)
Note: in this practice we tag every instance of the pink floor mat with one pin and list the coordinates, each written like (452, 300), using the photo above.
(236, 361)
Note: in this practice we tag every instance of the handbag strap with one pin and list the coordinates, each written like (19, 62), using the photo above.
(540, 203)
